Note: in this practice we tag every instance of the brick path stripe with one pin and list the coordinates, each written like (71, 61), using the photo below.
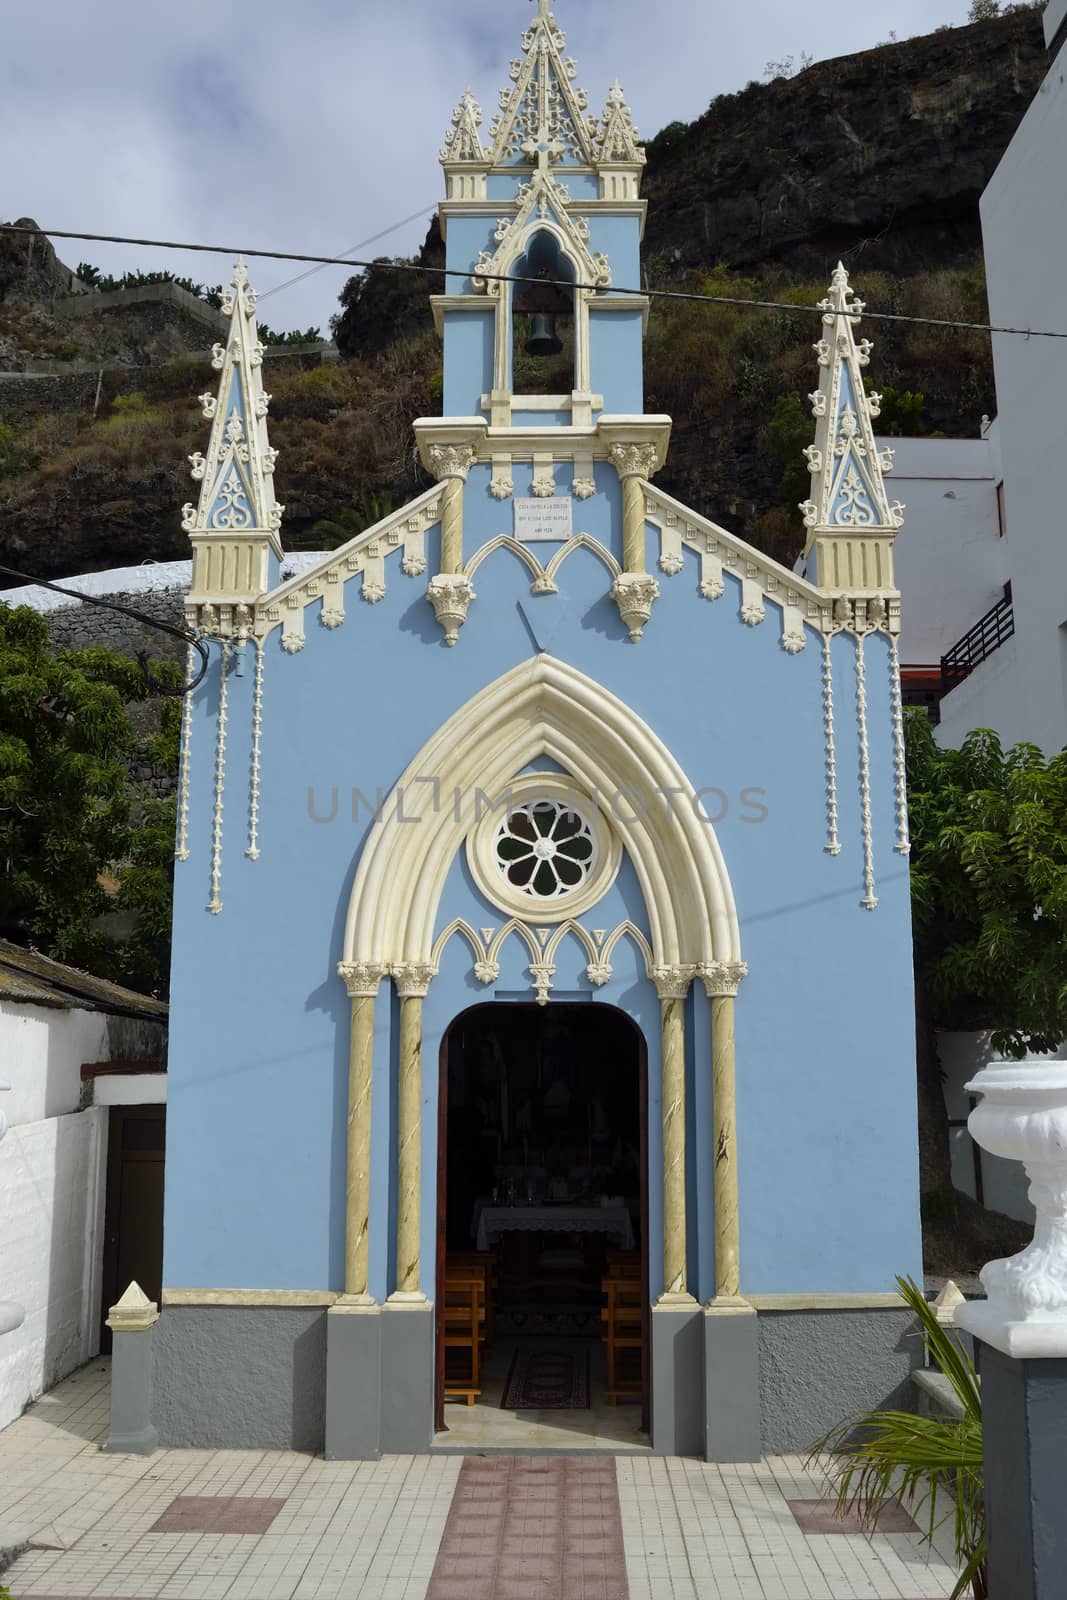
(532, 1528)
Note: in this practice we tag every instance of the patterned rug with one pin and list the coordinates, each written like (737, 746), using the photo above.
(555, 1378)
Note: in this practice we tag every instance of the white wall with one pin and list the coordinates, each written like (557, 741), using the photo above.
(51, 1202)
(949, 557)
(1024, 227)
(52, 1172)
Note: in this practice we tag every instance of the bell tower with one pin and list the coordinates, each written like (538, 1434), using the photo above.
(543, 335)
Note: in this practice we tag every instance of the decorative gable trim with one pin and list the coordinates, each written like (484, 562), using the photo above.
(544, 102)
(236, 521)
(851, 521)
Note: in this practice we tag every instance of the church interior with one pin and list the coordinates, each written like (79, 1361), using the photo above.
(542, 1254)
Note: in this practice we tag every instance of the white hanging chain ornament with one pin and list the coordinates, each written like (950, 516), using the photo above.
(181, 843)
(215, 903)
(870, 899)
(900, 768)
(252, 851)
(833, 843)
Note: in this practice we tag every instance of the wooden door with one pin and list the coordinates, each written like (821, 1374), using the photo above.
(133, 1209)
(442, 1235)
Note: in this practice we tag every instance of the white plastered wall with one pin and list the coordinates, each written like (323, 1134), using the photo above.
(52, 1170)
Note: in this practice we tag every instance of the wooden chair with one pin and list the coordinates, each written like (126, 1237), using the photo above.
(478, 1264)
(464, 1312)
(622, 1317)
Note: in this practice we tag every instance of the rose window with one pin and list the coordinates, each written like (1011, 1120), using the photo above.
(545, 849)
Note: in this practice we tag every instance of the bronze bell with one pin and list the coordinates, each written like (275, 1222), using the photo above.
(543, 340)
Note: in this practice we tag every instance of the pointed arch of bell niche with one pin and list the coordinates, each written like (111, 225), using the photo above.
(541, 708)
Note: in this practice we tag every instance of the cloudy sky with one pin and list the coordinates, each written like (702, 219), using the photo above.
(312, 126)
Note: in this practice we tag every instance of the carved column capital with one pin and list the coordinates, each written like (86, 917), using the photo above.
(361, 977)
(672, 983)
(413, 979)
(451, 595)
(722, 978)
(635, 593)
(450, 460)
(634, 460)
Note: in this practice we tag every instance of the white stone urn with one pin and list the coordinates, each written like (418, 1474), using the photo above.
(1023, 1116)
(12, 1315)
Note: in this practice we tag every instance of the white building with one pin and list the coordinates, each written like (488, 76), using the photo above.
(1017, 683)
(80, 1172)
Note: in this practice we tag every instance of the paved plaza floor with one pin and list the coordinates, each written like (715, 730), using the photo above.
(274, 1525)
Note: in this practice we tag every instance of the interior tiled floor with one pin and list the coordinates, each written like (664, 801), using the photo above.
(484, 1425)
(90, 1526)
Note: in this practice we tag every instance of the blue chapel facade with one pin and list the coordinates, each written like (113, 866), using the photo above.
(542, 738)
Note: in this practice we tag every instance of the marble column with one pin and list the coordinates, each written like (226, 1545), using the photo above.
(451, 592)
(362, 980)
(672, 986)
(721, 980)
(412, 982)
(634, 591)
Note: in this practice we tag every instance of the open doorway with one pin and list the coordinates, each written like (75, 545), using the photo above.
(542, 1263)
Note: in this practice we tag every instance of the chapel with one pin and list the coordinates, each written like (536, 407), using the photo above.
(542, 1049)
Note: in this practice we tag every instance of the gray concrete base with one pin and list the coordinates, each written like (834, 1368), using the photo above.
(1024, 1426)
(731, 1382)
(407, 1377)
(132, 1361)
(353, 1383)
(818, 1367)
(678, 1380)
(240, 1377)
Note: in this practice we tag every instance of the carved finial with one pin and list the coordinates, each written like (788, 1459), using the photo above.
(134, 1312)
(847, 489)
(945, 1305)
(462, 141)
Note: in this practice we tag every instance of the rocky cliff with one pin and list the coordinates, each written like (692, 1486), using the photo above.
(879, 158)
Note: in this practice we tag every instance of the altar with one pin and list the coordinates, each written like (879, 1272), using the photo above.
(491, 1221)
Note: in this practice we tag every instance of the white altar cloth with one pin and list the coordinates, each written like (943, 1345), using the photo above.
(492, 1221)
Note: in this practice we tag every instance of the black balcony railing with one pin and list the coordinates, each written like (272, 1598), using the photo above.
(987, 635)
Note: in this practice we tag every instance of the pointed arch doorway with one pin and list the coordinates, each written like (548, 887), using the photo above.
(542, 1172)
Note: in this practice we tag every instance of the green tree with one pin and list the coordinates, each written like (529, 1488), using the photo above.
(354, 520)
(70, 818)
(983, 10)
(790, 430)
(989, 901)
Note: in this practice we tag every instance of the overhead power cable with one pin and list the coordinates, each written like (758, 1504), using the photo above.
(423, 211)
(690, 295)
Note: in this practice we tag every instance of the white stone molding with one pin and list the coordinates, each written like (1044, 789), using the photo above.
(618, 141)
(760, 579)
(235, 525)
(544, 108)
(362, 979)
(833, 841)
(543, 576)
(413, 979)
(502, 483)
(544, 477)
(1022, 1116)
(634, 460)
(559, 791)
(598, 947)
(542, 708)
(463, 141)
(673, 982)
(214, 904)
(252, 852)
(851, 523)
(185, 760)
(722, 978)
(451, 594)
(635, 593)
(542, 208)
(870, 899)
(134, 1312)
(450, 461)
(401, 532)
(900, 767)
